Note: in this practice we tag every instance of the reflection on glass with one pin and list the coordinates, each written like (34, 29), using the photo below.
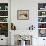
(42, 32)
(41, 19)
(40, 25)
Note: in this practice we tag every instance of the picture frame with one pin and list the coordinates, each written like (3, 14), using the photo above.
(42, 33)
(4, 29)
(22, 14)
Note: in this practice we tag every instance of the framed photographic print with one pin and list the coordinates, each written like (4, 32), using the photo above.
(42, 32)
(22, 14)
(4, 29)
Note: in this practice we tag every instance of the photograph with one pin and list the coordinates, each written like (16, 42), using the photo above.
(23, 14)
(41, 19)
(4, 29)
(41, 25)
(41, 6)
(42, 32)
(41, 13)
(3, 19)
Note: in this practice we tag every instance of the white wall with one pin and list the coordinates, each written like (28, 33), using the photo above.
(32, 6)
(4, 41)
(21, 5)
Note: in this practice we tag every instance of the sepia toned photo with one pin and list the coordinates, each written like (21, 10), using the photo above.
(23, 14)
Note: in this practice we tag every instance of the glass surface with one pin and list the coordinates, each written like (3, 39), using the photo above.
(3, 19)
(41, 13)
(41, 19)
(3, 6)
(4, 12)
(41, 6)
(42, 32)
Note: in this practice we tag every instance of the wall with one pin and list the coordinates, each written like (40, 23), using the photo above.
(19, 5)
(32, 6)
